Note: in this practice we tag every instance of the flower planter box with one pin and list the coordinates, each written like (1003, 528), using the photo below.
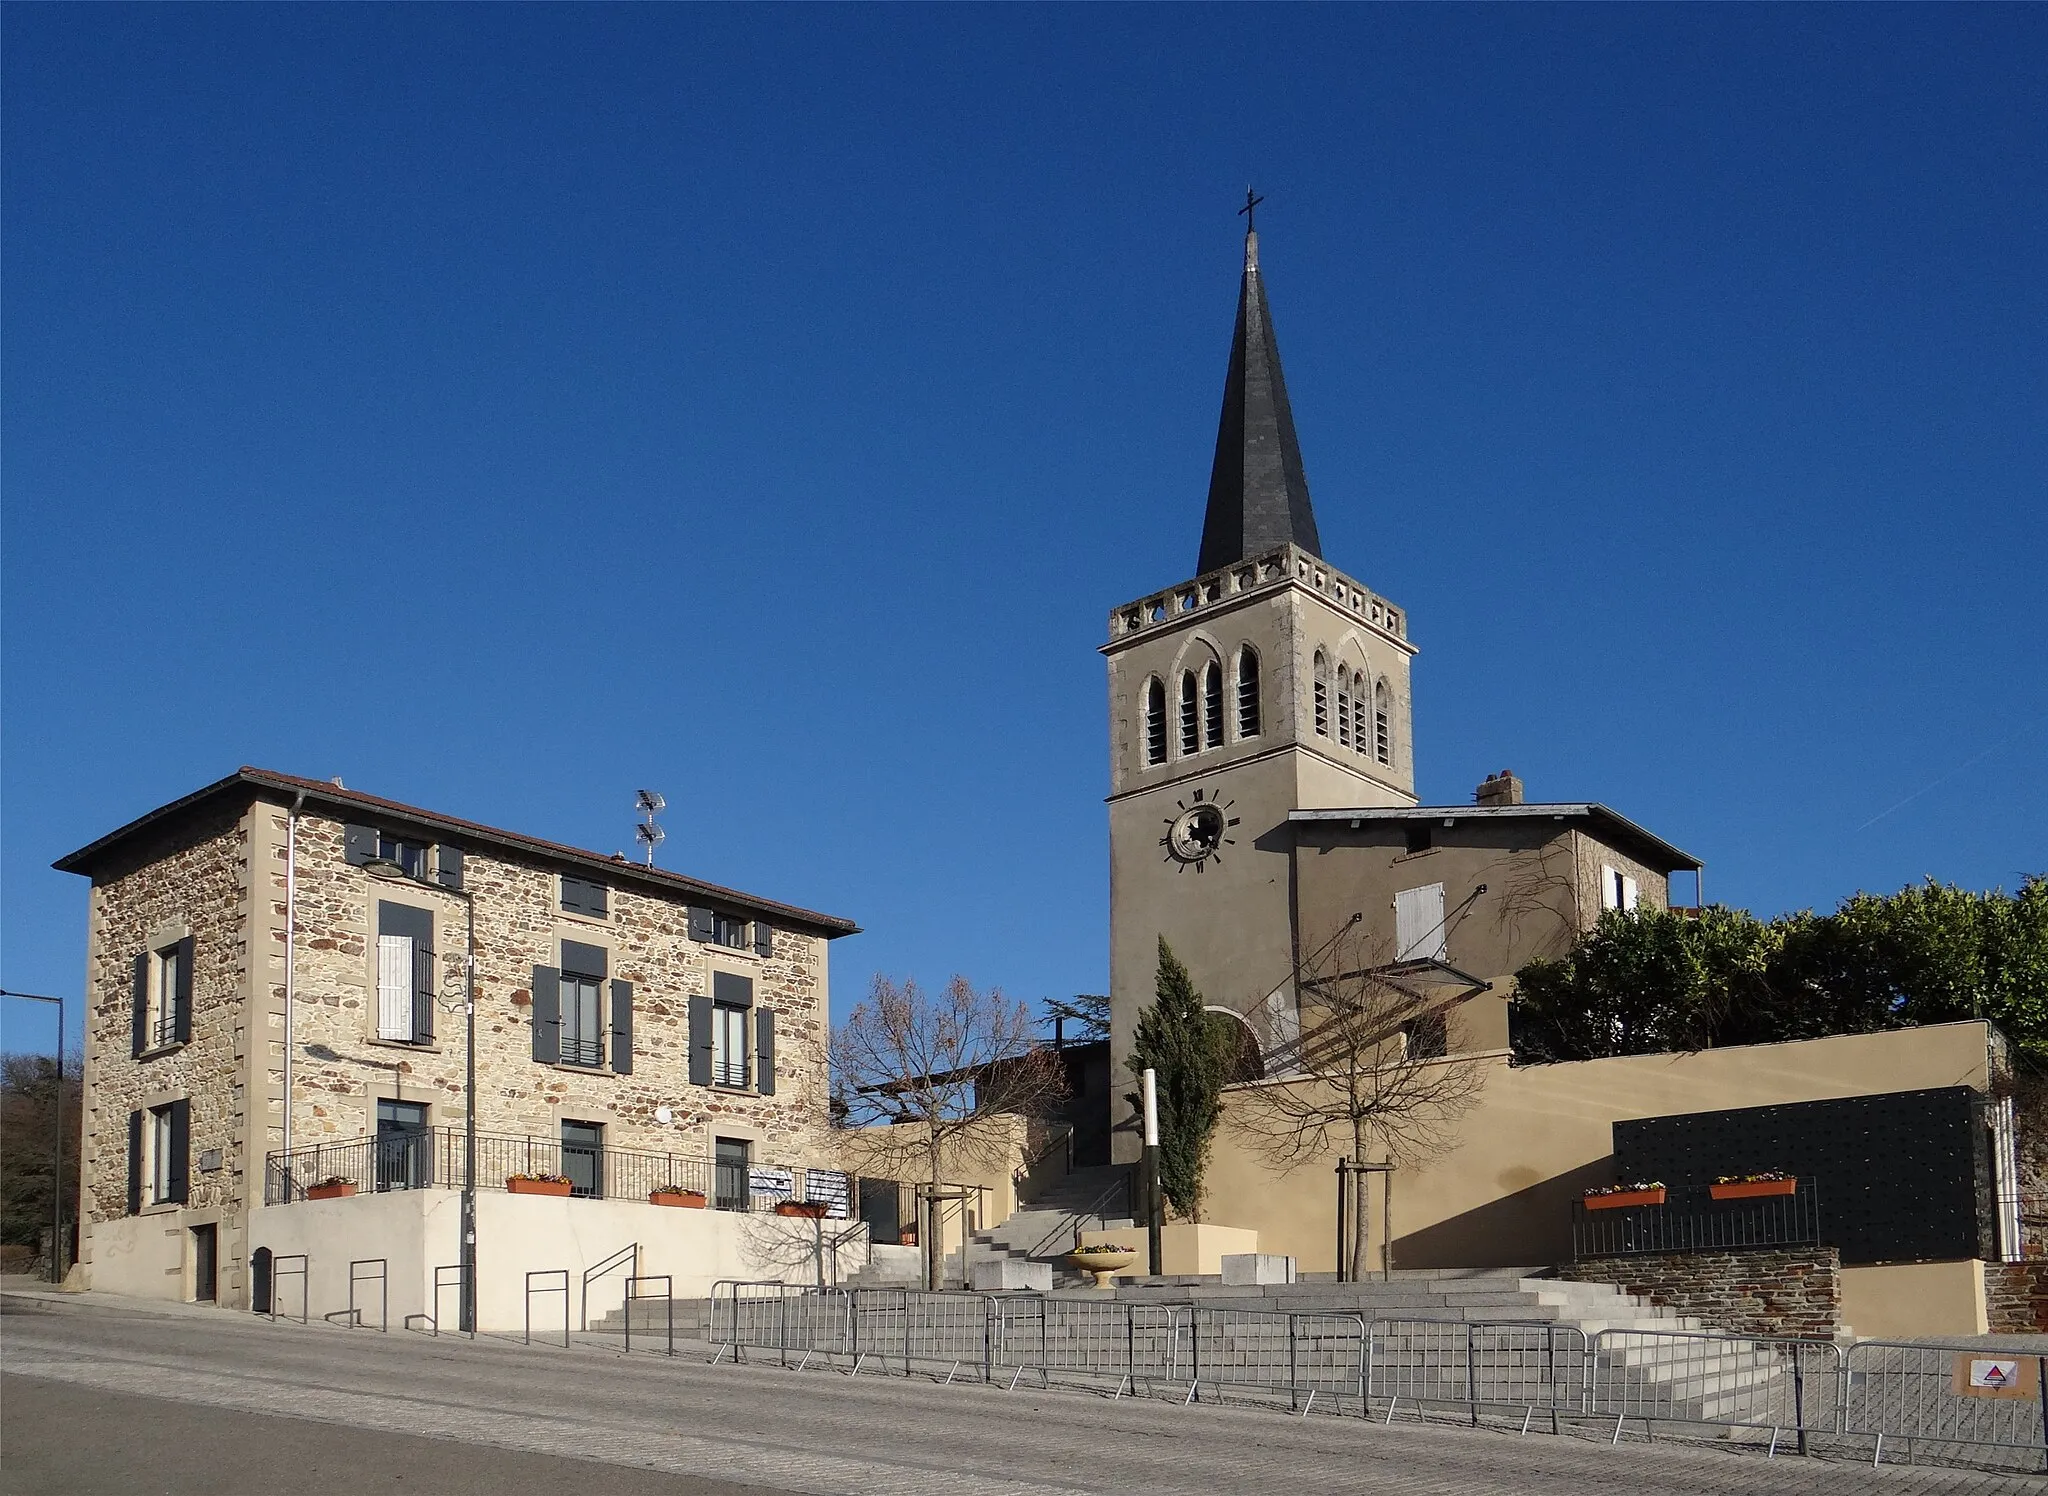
(810, 1210)
(1753, 1189)
(683, 1199)
(558, 1189)
(906, 1238)
(330, 1191)
(1622, 1199)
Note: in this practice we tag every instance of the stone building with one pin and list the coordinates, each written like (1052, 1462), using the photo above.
(276, 976)
(1262, 774)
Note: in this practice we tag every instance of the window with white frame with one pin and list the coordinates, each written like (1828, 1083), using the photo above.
(405, 973)
(728, 1045)
(730, 930)
(1382, 738)
(1617, 890)
(1322, 696)
(583, 974)
(409, 855)
(162, 1142)
(164, 977)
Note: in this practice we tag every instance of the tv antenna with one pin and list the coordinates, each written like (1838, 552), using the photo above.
(650, 804)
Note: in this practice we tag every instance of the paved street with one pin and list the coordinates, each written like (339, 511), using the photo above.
(99, 1400)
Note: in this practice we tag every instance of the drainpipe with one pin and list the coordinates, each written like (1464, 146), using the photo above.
(291, 928)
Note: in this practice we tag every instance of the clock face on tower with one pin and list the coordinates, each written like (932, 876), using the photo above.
(1199, 831)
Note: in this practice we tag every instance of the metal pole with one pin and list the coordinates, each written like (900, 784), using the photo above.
(1154, 1209)
(469, 1129)
(1343, 1175)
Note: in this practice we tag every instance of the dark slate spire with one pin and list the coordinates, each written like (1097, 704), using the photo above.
(1258, 494)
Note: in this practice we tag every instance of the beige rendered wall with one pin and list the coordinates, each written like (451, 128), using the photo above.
(416, 1229)
(1914, 1298)
(1541, 1134)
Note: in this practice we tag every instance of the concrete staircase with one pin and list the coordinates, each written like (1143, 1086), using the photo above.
(1043, 1230)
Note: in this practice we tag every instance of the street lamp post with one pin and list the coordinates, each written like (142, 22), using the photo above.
(57, 1141)
(391, 872)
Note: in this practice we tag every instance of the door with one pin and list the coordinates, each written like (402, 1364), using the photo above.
(731, 1158)
(404, 1146)
(205, 1262)
(583, 1158)
(881, 1206)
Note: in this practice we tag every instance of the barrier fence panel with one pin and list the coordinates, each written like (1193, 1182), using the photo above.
(1787, 1385)
(1507, 1366)
(363, 1272)
(279, 1271)
(560, 1286)
(1947, 1399)
(751, 1314)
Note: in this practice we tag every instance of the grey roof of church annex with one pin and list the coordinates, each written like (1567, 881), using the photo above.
(1619, 828)
(1258, 491)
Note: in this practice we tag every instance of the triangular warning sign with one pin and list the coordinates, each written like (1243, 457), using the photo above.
(1994, 1375)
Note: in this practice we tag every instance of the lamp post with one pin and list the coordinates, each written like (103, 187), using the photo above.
(56, 1142)
(391, 872)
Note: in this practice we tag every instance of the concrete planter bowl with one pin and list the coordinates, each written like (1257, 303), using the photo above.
(1102, 1262)
(680, 1199)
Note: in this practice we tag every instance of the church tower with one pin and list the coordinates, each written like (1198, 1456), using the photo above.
(1269, 682)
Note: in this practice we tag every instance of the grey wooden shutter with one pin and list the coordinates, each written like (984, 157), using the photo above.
(700, 924)
(585, 960)
(764, 1051)
(764, 938)
(596, 898)
(134, 1163)
(181, 1151)
(141, 1004)
(359, 845)
(448, 866)
(425, 978)
(733, 991)
(547, 1015)
(622, 1028)
(700, 1041)
(181, 1013)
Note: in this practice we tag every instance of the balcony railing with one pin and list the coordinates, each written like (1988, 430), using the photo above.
(1692, 1221)
(431, 1158)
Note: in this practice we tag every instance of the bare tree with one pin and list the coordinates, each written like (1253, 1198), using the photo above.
(928, 1078)
(1374, 1076)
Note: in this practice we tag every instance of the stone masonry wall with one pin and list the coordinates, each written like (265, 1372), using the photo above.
(2016, 1297)
(1772, 1291)
(341, 1067)
(192, 881)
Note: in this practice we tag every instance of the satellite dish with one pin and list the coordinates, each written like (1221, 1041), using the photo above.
(664, 1115)
(649, 802)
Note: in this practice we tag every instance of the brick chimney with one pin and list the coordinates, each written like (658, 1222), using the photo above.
(1499, 789)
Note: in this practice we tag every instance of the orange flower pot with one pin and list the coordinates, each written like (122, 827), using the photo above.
(330, 1191)
(1624, 1199)
(539, 1187)
(1752, 1189)
(682, 1199)
(810, 1210)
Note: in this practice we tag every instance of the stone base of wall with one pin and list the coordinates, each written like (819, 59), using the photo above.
(2016, 1297)
(1767, 1291)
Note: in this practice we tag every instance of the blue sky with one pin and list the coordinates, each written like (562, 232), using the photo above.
(508, 407)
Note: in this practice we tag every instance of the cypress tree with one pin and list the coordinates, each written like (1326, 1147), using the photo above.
(1180, 1040)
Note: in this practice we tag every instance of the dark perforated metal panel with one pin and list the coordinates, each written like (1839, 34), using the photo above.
(1901, 1177)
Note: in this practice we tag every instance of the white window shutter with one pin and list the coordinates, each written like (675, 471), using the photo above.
(1610, 887)
(1628, 894)
(1419, 923)
(394, 986)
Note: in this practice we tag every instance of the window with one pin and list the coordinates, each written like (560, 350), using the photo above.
(581, 896)
(1343, 710)
(405, 973)
(1419, 924)
(1155, 721)
(728, 1045)
(1190, 738)
(163, 1151)
(1322, 697)
(1427, 1037)
(1212, 706)
(1382, 740)
(732, 1160)
(409, 855)
(583, 1158)
(1247, 693)
(1617, 890)
(405, 1154)
(164, 982)
(729, 930)
(583, 970)
(1358, 707)
(1418, 836)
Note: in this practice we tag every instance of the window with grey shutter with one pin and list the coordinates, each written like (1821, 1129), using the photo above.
(547, 1015)
(180, 1172)
(580, 995)
(764, 1051)
(700, 925)
(142, 1002)
(135, 1163)
(405, 972)
(359, 845)
(581, 896)
(700, 1041)
(733, 991)
(622, 1028)
(181, 995)
(448, 866)
(764, 938)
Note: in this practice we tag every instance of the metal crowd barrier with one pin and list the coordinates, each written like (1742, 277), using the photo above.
(1787, 1385)
(1502, 1366)
(1922, 1395)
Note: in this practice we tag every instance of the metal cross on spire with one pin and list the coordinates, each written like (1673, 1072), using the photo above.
(1251, 201)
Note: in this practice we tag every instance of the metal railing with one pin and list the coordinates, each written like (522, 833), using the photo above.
(432, 1158)
(1692, 1221)
(1098, 1209)
(1798, 1394)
